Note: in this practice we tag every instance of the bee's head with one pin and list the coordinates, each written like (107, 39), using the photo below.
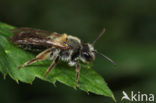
(87, 52)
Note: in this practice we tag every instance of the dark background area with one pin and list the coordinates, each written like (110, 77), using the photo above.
(130, 40)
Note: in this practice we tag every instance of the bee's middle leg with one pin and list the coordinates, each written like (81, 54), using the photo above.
(53, 64)
(41, 56)
(78, 68)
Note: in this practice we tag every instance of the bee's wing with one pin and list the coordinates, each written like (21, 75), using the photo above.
(32, 39)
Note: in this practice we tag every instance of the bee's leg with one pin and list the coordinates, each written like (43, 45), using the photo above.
(41, 56)
(55, 61)
(78, 68)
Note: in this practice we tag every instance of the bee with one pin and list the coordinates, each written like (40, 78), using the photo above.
(56, 47)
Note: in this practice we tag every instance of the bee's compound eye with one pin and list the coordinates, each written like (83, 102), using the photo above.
(86, 56)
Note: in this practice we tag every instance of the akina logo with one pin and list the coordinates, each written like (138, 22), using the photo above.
(138, 96)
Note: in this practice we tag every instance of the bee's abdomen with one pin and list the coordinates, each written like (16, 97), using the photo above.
(30, 41)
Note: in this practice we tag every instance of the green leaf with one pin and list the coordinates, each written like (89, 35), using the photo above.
(11, 57)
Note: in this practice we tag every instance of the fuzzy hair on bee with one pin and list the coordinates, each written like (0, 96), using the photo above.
(55, 46)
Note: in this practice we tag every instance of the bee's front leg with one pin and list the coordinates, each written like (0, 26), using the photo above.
(42, 56)
(78, 68)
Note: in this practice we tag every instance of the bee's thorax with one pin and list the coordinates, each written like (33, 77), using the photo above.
(78, 50)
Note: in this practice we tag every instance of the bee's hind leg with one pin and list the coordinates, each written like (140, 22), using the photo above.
(41, 56)
(78, 68)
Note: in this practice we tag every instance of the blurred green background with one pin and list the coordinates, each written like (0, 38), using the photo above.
(130, 40)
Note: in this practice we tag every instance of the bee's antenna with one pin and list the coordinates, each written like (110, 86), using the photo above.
(103, 31)
(106, 57)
